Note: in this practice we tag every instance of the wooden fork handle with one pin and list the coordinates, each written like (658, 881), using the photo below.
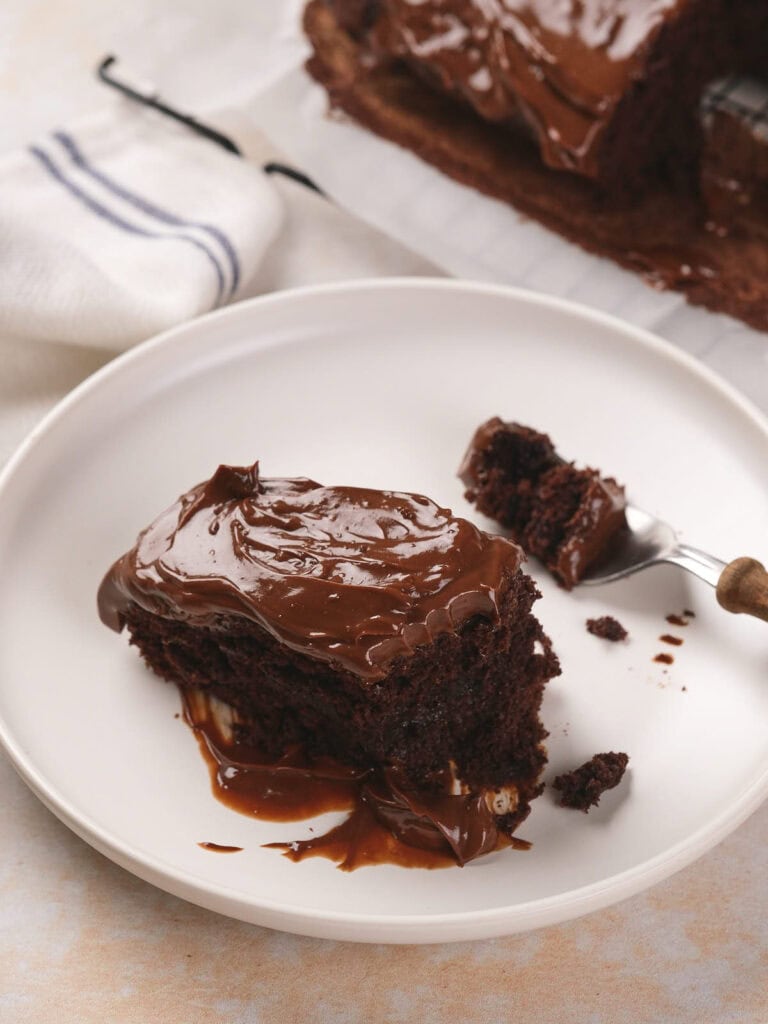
(743, 587)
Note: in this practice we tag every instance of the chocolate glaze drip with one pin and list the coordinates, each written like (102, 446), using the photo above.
(389, 822)
(219, 848)
(348, 575)
(677, 620)
(560, 66)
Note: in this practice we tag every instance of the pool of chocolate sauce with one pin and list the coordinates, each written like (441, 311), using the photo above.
(387, 822)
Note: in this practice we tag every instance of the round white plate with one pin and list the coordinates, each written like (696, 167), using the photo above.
(382, 384)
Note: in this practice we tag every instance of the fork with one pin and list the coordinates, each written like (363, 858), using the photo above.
(741, 586)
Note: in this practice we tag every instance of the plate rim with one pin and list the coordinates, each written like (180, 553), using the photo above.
(349, 925)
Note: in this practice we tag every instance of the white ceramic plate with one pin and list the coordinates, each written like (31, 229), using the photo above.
(382, 384)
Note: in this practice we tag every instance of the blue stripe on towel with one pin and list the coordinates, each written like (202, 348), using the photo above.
(151, 208)
(119, 222)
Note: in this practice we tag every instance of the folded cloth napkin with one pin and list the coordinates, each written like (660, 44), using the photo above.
(125, 225)
(315, 241)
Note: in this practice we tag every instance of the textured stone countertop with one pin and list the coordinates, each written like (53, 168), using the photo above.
(83, 940)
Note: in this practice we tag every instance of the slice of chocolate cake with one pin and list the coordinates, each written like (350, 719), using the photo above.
(566, 517)
(371, 627)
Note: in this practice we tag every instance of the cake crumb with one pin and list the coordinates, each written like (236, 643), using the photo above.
(607, 628)
(563, 516)
(583, 787)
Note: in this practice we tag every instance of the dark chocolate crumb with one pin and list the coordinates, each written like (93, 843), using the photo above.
(675, 641)
(665, 659)
(607, 628)
(583, 787)
(689, 613)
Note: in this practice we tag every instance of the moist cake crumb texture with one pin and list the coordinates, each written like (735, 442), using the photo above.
(370, 627)
(583, 787)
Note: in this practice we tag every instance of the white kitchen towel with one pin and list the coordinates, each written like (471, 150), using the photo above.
(125, 225)
(317, 242)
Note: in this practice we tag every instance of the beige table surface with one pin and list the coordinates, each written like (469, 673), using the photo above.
(83, 940)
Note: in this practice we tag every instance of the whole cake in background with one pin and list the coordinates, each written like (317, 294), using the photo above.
(370, 627)
(566, 517)
(600, 118)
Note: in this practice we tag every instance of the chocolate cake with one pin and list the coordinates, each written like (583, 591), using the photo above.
(582, 115)
(583, 787)
(566, 517)
(600, 88)
(371, 627)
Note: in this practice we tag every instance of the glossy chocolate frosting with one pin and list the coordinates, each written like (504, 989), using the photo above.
(348, 575)
(562, 66)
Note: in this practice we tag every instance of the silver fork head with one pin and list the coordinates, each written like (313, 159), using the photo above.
(647, 542)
